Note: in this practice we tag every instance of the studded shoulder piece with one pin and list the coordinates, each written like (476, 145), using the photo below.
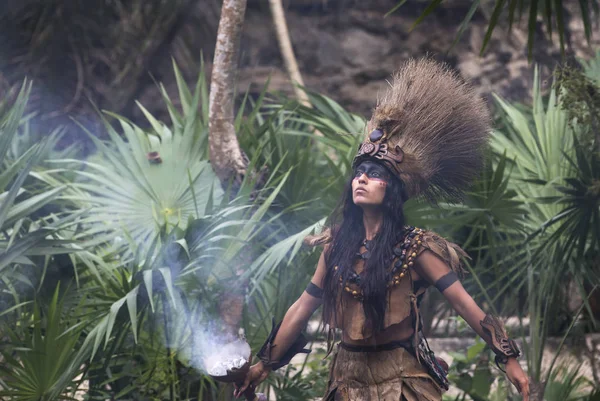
(405, 253)
(448, 251)
(414, 241)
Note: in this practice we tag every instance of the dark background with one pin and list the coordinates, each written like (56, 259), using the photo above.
(108, 53)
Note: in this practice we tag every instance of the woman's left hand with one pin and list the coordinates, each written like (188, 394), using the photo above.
(517, 376)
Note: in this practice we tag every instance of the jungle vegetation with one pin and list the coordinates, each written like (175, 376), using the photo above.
(114, 261)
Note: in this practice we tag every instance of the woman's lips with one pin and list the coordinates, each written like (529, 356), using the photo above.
(360, 191)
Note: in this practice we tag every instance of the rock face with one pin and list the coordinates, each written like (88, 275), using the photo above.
(346, 49)
(349, 55)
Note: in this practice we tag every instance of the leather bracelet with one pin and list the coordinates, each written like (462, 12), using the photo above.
(503, 346)
(297, 347)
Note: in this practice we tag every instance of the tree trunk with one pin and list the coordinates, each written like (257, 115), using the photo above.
(226, 157)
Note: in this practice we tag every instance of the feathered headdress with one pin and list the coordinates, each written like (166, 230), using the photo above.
(429, 129)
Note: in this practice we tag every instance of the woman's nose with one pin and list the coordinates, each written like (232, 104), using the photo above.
(362, 179)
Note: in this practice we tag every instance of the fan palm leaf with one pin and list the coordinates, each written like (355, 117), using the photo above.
(41, 362)
(553, 175)
(21, 234)
(146, 181)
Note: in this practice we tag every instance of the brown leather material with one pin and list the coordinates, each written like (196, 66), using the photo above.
(448, 251)
(350, 316)
(392, 375)
(502, 346)
(295, 348)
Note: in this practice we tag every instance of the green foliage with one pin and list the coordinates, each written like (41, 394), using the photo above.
(567, 384)
(186, 264)
(29, 237)
(581, 101)
(552, 14)
(552, 176)
(530, 224)
(476, 382)
(41, 361)
(592, 68)
(147, 182)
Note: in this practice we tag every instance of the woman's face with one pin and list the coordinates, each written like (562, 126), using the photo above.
(369, 184)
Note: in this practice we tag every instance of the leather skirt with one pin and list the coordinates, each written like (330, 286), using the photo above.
(388, 372)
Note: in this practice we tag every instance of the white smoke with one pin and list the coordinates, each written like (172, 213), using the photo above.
(231, 356)
(204, 345)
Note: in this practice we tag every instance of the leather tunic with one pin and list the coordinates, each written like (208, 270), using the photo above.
(401, 293)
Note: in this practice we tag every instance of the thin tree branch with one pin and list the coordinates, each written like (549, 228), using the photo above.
(287, 52)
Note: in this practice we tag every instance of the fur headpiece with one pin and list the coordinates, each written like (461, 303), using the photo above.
(429, 129)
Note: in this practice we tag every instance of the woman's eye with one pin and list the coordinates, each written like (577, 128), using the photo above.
(375, 174)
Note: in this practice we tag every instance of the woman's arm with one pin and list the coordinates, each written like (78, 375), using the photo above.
(433, 269)
(295, 320)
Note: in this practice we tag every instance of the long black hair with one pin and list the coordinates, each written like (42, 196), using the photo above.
(348, 234)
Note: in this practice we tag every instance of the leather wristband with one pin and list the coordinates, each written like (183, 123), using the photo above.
(503, 346)
(297, 347)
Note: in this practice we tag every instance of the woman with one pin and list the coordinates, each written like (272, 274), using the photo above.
(425, 138)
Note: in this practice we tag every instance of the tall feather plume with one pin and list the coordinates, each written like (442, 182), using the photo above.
(440, 124)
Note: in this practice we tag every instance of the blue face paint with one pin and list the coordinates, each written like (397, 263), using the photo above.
(374, 171)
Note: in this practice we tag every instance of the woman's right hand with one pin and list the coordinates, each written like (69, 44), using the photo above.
(256, 375)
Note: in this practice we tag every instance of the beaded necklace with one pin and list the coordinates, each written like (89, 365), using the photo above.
(404, 254)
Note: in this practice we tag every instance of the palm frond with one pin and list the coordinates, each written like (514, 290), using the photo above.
(41, 361)
(551, 13)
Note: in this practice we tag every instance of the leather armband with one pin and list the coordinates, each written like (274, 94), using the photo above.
(446, 281)
(502, 346)
(297, 347)
(313, 290)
